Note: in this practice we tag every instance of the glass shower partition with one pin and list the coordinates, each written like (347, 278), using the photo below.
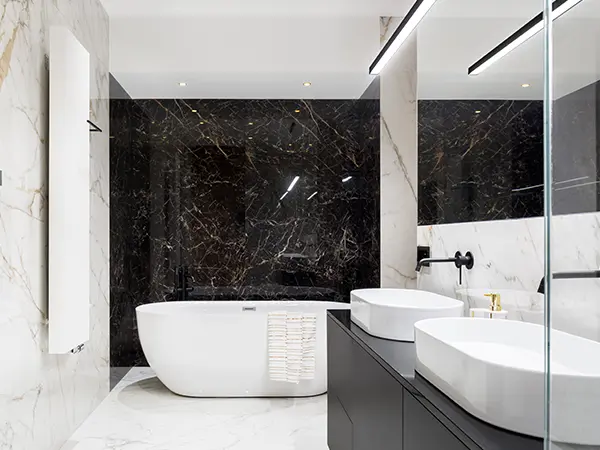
(572, 224)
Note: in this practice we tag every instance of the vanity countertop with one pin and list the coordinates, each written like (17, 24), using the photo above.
(399, 359)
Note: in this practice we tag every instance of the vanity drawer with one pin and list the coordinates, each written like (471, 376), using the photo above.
(422, 431)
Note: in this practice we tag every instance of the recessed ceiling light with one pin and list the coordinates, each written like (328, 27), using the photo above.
(307, 84)
(289, 145)
(297, 111)
(194, 110)
(477, 112)
(525, 85)
(250, 137)
(182, 84)
(250, 123)
(201, 123)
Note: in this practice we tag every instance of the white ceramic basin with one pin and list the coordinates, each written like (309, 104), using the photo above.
(392, 313)
(494, 369)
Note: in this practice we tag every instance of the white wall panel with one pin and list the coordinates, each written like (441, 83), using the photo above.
(69, 196)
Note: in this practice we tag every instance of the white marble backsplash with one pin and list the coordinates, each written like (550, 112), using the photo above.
(509, 255)
(43, 398)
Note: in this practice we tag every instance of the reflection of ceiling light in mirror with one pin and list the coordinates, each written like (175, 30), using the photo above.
(527, 31)
(250, 123)
(525, 85)
(283, 196)
(293, 184)
(307, 84)
(194, 110)
(250, 137)
(346, 179)
(201, 123)
(478, 112)
(297, 111)
(406, 27)
(182, 84)
(312, 196)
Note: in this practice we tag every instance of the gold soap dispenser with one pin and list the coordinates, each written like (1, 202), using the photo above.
(493, 312)
(495, 304)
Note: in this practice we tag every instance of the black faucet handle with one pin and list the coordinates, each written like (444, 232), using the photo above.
(467, 260)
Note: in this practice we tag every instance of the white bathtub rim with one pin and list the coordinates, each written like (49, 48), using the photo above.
(217, 307)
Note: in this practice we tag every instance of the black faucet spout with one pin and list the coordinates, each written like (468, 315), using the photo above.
(427, 261)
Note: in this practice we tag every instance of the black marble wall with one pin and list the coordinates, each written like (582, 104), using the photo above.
(576, 151)
(198, 184)
(480, 160)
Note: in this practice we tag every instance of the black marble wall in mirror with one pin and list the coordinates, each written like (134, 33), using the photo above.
(576, 151)
(480, 160)
(202, 184)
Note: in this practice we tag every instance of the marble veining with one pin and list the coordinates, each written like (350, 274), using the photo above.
(509, 254)
(140, 413)
(398, 169)
(204, 184)
(44, 398)
(480, 160)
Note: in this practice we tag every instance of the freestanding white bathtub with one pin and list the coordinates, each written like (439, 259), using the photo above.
(219, 349)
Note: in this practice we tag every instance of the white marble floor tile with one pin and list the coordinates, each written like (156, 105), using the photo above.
(141, 414)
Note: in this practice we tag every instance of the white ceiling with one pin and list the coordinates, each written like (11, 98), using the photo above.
(244, 57)
(443, 68)
(268, 48)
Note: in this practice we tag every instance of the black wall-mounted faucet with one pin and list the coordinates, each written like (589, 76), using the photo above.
(568, 276)
(459, 261)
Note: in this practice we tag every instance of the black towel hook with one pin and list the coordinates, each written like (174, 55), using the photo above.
(95, 129)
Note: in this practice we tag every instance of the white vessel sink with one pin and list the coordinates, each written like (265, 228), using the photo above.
(494, 369)
(392, 313)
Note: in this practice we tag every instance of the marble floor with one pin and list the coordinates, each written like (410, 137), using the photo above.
(141, 414)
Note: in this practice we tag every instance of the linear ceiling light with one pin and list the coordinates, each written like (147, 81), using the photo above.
(527, 31)
(406, 27)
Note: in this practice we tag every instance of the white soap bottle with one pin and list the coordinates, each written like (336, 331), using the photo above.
(493, 312)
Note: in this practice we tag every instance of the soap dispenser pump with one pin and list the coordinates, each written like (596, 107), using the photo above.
(495, 304)
(493, 312)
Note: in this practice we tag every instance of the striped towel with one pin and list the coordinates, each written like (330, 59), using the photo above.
(291, 346)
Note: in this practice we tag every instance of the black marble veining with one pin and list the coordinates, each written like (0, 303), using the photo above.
(480, 160)
(399, 359)
(201, 184)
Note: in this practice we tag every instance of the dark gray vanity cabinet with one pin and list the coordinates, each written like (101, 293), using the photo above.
(373, 406)
(364, 398)
(369, 409)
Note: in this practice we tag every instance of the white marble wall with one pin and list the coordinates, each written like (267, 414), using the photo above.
(398, 99)
(43, 397)
(509, 255)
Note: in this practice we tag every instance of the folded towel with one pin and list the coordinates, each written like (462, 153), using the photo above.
(292, 341)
